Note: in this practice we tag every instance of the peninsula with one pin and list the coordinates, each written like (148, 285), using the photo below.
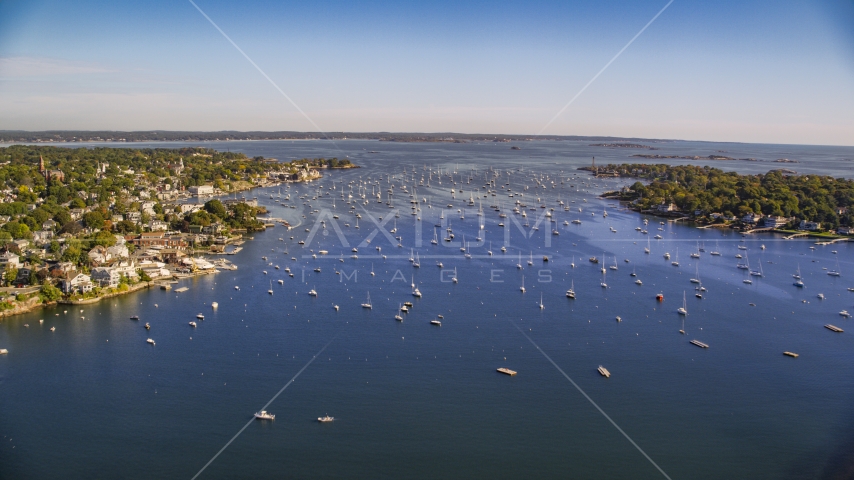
(84, 223)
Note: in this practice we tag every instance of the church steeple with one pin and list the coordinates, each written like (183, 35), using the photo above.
(41, 165)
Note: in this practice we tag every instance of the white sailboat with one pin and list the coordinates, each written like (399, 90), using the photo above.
(675, 262)
(683, 310)
(541, 302)
(696, 278)
(522, 288)
(367, 303)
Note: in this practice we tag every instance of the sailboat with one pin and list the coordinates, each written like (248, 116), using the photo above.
(614, 266)
(415, 292)
(372, 270)
(675, 262)
(435, 240)
(696, 278)
(835, 273)
(531, 258)
(397, 316)
(522, 288)
(519, 265)
(716, 252)
(798, 282)
(571, 292)
(757, 273)
(367, 303)
(683, 326)
(603, 284)
(746, 264)
(646, 250)
(541, 302)
(270, 291)
(683, 310)
(573, 262)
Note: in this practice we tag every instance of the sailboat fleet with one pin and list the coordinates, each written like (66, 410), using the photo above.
(358, 191)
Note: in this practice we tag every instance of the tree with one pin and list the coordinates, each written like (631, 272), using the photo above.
(143, 276)
(77, 202)
(11, 275)
(62, 217)
(217, 208)
(17, 229)
(50, 293)
(104, 238)
(71, 227)
(93, 219)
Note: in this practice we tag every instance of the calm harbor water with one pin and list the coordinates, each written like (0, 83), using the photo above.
(415, 400)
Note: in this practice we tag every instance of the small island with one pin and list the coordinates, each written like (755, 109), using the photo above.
(773, 201)
(81, 224)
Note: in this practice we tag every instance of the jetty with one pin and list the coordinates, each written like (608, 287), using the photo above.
(791, 354)
(759, 230)
(507, 371)
(833, 328)
(699, 344)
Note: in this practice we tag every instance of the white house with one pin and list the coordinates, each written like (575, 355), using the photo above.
(9, 260)
(106, 277)
(99, 255)
(118, 251)
(810, 226)
(76, 283)
(202, 190)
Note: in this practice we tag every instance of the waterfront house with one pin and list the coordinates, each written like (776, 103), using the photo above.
(75, 282)
(809, 226)
(845, 231)
(774, 221)
(667, 207)
(751, 218)
(201, 190)
(106, 276)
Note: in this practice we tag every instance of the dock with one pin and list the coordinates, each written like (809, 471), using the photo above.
(507, 371)
(604, 371)
(833, 328)
(699, 344)
(791, 354)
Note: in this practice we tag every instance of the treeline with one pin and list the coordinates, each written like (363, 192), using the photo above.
(814, 198)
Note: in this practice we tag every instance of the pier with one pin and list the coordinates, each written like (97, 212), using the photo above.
(699, 344)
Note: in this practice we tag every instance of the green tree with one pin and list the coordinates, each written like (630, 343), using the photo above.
(93, 219)
(217, 208)
(50, 293)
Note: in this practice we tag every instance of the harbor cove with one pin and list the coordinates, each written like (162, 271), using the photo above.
(447, 309)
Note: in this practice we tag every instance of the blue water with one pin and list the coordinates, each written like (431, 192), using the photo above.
(415, 400)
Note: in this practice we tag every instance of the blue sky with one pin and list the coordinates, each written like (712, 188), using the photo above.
(764, 71)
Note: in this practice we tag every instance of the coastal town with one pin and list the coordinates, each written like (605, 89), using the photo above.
(84, 224)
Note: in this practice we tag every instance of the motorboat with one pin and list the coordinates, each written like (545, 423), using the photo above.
(264, 415)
